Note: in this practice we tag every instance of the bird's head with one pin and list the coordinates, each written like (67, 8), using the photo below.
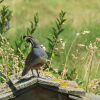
(30, 39)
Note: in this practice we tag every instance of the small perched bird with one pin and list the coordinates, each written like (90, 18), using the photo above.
(36, 58)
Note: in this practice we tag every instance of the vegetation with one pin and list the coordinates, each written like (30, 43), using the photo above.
(72, 41)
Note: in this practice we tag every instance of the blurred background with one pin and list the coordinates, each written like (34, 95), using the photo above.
(80, 14)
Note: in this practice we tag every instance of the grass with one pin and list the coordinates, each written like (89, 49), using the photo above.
(81, 15)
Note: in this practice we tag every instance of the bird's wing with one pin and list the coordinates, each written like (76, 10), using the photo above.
(39, 52)
(28, 62)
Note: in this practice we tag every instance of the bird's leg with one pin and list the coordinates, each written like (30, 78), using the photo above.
(37, 72)
(32, 72)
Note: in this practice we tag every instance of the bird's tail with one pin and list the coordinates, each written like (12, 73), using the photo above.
(25, 71)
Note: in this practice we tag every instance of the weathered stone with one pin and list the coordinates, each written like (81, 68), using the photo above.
(29, 88)
(48, 82)
(73, 91)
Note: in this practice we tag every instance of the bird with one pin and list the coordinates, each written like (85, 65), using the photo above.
(36, 58)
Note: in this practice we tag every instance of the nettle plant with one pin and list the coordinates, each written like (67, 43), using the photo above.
(56, 31)
(55, 43)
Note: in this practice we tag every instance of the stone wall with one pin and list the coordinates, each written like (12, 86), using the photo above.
(43, 88)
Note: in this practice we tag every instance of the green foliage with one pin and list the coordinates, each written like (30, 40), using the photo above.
(53, 41)
(33, 25)
(18, 46)
(5, 16)
(56, 32)
(9, 62)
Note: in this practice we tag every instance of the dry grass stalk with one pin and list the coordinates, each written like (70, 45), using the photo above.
(65, 69)
(92, 50)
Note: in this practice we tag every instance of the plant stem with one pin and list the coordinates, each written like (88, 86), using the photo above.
(66, 60)
(90, 68)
